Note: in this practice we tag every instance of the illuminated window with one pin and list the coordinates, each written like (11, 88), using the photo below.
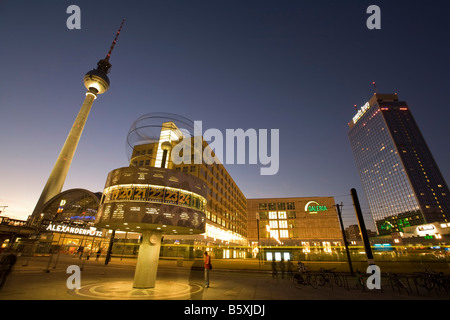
(274, 234)
(281, 214)
(272, 214)
(273, 224)
(284, 234)
(306, 247)
(282, 224)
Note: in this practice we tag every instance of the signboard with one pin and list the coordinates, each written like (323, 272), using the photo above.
(63, 228)
(426, 230)
(314, 207)
(361, 112)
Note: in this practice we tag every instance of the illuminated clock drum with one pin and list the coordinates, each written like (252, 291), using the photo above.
(140, 198)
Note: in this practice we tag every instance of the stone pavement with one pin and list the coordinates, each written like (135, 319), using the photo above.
(175, 281)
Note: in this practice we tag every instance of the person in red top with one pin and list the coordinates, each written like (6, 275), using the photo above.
(207, 269)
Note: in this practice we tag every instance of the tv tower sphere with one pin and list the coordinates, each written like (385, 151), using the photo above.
(96, 81)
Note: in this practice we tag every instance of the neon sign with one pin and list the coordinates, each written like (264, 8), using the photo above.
(313, 207)
(361, 112)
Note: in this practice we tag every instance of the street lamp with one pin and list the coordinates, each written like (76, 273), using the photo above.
(259, 244)
(268, 233)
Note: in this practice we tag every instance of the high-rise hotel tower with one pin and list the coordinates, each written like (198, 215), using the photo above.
(402, 182)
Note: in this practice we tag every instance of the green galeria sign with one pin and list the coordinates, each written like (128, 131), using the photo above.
(314, 207)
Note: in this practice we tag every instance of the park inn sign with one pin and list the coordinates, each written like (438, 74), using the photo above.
(74, 230)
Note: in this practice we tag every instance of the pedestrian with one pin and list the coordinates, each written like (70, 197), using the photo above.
(99, 252)
(274, 269)
(282, 268)
(80, 252)
(7, 263)
(289, 268)
(208, 267)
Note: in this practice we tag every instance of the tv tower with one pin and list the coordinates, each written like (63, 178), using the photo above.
(96, 82)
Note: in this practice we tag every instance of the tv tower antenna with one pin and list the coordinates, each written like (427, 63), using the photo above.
(104, 65)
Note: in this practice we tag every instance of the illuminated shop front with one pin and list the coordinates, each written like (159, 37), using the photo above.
(293, 228)
(66, 225)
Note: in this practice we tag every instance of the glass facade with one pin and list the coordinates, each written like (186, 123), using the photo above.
(72, 205)
(397, 170)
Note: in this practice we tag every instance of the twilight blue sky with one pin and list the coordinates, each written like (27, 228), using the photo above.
(296, 66)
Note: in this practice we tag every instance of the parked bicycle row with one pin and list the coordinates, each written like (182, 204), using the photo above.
(419, 283)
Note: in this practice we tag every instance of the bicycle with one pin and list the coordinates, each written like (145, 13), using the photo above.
(394, 280)
(425, 280)
(360, 281)
(443, 282)
(328, 276)
(432, 280)
(303, 278)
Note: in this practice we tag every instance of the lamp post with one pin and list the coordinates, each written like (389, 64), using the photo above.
(259, 245)
(349, 259)
(362, 227)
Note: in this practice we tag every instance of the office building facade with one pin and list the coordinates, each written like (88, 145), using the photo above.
(401, 179)
(285, 227)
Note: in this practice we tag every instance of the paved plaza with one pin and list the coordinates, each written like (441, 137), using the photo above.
(40, 278)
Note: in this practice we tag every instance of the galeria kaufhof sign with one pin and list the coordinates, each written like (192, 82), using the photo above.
(314, 207)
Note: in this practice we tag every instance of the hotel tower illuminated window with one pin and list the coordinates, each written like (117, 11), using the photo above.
(400, 177)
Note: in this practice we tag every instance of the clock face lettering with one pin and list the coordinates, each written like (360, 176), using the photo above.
(171, 196)
(154, 194)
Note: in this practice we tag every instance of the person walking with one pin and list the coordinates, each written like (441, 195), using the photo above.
(99, 252)
(208, 267)
(7, 263)
(289, 268)
(274, 269)
(282, 268)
